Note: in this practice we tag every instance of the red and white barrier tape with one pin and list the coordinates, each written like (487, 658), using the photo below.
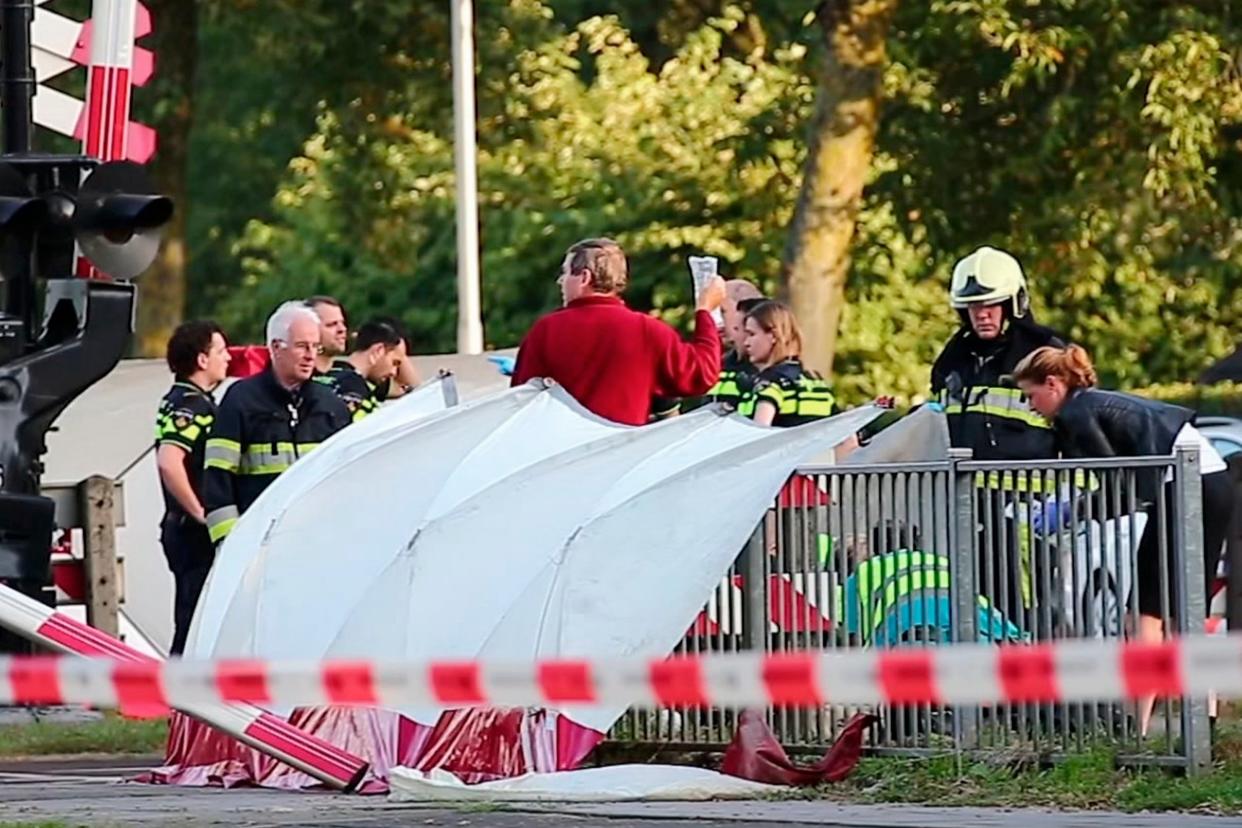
(101, 670)
(1065, 671)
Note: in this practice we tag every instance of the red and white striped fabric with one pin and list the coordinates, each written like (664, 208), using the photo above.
(128, 680)
(793, 606)
(1078, 670)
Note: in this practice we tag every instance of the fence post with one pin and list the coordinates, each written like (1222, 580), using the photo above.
(96, 505)
(755, 591)
(1188, 547)
(964, 591)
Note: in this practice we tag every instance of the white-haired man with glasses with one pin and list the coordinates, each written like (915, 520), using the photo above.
(266, 422)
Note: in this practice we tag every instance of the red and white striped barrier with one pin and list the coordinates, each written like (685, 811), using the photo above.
(44, 680)
(970, 674)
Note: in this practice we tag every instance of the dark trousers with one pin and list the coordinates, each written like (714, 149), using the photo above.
(1218, 507)
(1233, 544)
(189, 552)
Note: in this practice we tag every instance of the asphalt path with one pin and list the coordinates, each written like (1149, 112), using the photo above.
(94, 792)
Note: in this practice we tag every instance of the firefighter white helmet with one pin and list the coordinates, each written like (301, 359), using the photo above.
(989, 277)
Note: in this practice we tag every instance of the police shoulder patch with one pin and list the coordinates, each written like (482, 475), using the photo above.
(182, 418)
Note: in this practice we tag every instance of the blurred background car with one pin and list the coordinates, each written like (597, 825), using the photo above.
(1225, 433)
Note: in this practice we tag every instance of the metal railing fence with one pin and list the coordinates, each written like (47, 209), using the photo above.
(928, 554)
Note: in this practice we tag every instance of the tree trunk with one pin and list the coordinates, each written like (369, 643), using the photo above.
(817, 256)
(161, 297)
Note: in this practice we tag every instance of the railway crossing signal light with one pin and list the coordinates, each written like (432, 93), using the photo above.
(59, 334)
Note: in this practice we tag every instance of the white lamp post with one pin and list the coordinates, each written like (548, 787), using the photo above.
(469, 311)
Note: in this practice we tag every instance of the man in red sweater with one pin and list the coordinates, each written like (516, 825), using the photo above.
(611, 359)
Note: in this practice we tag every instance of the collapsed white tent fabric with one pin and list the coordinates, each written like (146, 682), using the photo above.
(228, 569)
(517, 527)
(920, 437)
(617, 783)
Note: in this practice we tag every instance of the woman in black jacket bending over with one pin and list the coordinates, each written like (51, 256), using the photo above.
(1088, 422)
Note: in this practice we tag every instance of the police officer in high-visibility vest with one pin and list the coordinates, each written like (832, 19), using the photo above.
(737, 375)
(266, 422)
(972, 379)
(198, 357)
(377, 355)
(784, 393)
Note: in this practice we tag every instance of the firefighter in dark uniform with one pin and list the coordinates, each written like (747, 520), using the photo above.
(198, 357)
(972, 376)
(972, 380)
(378, 353)
(266, 422)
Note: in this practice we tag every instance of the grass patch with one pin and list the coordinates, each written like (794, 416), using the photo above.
(1090, 781)
(481, 807)
(109, 735)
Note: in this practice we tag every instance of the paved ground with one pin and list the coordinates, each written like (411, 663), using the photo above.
(90, 793)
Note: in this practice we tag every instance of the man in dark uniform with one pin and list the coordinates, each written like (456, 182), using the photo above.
(333, 331)
(737, 375)
(334, 339)
(266, 422)
(378, 353)
(198, 357)
(972, 379)
(972, 376)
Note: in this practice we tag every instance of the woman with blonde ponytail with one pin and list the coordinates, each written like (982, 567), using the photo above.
(1060, 384)
(1072, 366)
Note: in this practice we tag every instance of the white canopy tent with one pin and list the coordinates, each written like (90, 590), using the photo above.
(518, 526)
(109, 431)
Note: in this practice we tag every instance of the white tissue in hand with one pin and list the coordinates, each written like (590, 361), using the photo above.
(703, 269)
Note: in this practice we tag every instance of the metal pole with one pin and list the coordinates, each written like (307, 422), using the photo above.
(17, 86)
(1188, 563)
(963, 586)
(755, 621)
(469, 314)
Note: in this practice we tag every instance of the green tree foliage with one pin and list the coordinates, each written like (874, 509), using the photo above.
(697, 157)
(267, 70)
(1093, 139)
(1098, 140)
(1222, 398)
(840, 152)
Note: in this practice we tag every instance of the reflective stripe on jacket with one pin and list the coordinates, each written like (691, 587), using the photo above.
(261, 429)
(798, 395)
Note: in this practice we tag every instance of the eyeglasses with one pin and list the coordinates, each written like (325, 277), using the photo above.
(302, 347)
